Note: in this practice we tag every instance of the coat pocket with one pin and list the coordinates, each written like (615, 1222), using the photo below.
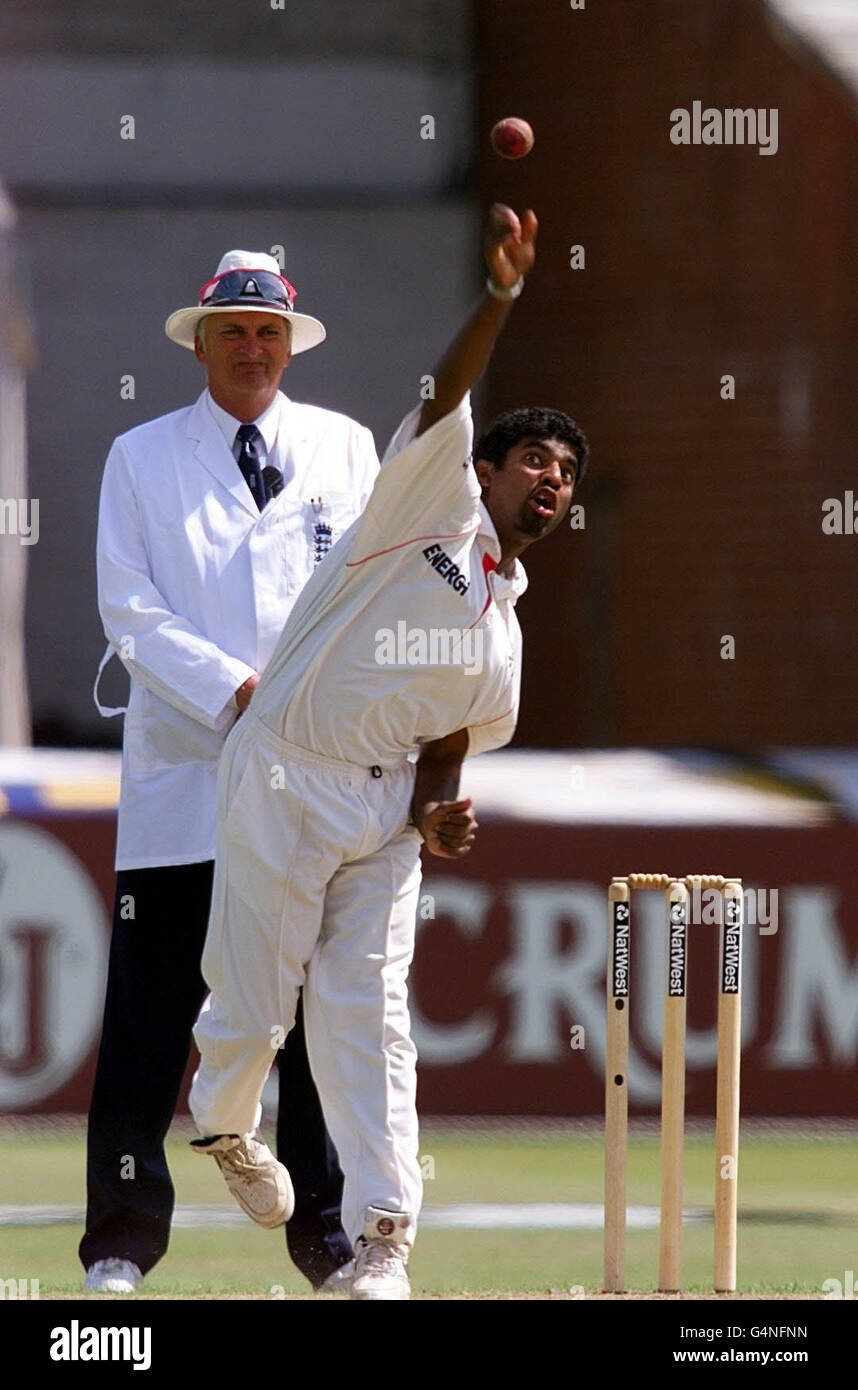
(168, 738)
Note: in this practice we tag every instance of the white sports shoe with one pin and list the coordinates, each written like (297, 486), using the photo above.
(113, 1276)
(257, 1180)
(381, 1259)
(340, 1281)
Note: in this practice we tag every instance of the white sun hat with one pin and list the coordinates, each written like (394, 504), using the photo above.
(250, 281)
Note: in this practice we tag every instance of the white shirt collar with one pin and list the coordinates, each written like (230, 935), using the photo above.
(503, 587)
(267, 423)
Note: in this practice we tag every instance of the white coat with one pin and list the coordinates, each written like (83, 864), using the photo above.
(194, 586)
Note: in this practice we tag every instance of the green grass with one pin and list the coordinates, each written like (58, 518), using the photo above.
(797, 1217)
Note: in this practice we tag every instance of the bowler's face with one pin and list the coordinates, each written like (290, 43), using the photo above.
(244, 352)
(531, 494)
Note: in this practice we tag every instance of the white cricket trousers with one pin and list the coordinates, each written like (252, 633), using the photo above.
(317, 877)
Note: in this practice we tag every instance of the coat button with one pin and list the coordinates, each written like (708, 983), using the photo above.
(375, 770)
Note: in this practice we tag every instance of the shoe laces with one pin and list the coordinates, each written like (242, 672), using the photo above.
(245, 1157)
(379, 1257)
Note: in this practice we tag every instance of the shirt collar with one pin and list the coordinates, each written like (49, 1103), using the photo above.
(267, 423)
(502, 587)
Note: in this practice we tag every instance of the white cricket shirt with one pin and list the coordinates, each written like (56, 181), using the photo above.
(366, 668)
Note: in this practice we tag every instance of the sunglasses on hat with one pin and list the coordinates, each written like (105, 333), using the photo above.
(243, 287)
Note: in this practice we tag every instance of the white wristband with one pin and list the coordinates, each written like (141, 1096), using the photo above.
(500, 293)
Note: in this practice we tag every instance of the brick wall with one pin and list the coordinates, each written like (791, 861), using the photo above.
(703, 516)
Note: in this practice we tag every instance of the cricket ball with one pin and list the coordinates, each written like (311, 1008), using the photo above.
(512, 138)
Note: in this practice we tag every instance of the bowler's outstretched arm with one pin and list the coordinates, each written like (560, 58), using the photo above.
(510, 251)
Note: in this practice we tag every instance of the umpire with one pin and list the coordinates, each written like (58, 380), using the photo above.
(211, 520)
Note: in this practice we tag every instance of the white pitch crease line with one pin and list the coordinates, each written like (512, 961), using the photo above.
(473, 1216)
(546, 1216)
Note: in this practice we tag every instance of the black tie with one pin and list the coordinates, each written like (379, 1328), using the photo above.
(248, 461)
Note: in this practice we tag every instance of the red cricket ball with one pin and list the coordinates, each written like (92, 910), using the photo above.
(512, 138)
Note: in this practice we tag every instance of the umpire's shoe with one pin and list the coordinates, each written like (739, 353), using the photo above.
(113, 1276)
(381, 1256)
(258, 1182)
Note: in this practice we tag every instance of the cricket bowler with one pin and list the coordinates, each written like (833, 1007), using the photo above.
(348, 761)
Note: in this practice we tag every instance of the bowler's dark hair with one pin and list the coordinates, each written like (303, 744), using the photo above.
(532, 422)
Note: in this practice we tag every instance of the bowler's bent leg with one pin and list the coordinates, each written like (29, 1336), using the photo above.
(265, 917)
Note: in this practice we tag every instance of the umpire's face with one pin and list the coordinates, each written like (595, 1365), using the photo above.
(244, 354)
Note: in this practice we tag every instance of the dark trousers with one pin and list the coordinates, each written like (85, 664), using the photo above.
(154, 993)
